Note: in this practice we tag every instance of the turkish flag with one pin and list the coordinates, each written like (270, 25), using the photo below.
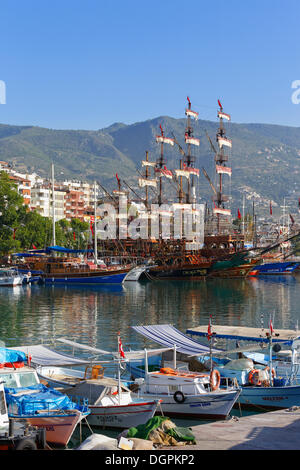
(239, 214)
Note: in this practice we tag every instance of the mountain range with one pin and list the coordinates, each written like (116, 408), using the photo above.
(264, 158)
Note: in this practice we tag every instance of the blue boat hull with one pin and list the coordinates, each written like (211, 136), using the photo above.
(275, 268)
(107, 279)
(270, 398)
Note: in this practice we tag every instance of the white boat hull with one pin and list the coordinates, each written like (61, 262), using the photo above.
(11, 281)
(214, 405)
(59, 429)
(122, 416)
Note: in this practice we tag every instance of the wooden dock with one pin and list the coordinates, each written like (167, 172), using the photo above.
(275, 430)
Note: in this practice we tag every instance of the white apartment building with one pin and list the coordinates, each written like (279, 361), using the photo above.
(41, 201)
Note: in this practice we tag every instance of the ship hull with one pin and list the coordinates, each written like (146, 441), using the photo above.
(188, 272)
(85, 278)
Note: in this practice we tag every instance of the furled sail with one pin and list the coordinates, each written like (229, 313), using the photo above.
(223, 170)
(147, 182)
(219, 210)
(163, 172)
(145, 163)
(164, 140)
(185, 173)
(223, 141)
(192, 140)
(222, 115)
(191, 113)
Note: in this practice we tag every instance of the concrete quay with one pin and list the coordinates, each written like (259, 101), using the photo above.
(275, 430)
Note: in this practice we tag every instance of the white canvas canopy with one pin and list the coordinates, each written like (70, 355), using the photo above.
(167, 335)
(44, 356)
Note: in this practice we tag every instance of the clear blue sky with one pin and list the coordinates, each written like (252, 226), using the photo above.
(85, 64)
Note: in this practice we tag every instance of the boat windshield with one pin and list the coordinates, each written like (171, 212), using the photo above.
(27, 379)
(24, 379)
(9, 380)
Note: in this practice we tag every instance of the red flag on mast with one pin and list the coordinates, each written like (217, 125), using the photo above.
(121, 352)
(271, 327)
(74, 236)
(209, 330)
(271, 211)
(239, 214)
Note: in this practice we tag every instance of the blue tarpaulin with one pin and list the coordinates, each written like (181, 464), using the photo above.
(40, 398)
(11, 355)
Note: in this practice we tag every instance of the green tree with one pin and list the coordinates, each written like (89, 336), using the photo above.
(12, 212)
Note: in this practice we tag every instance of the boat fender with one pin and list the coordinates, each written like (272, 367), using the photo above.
(179, 397)
(214, 379)
(26, 444)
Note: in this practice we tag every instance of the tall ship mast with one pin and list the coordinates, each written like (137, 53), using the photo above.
(189, 159)
(221, 168)
(160, 167)
(146, 181)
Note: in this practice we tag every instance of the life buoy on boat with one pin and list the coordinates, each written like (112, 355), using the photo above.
(272, 371)
(214, 379)
(254, 377)
(179, 397)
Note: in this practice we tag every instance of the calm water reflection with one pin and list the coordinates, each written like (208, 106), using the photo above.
(94, 315)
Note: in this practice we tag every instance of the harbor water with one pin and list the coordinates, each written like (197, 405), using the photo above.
(94, 315)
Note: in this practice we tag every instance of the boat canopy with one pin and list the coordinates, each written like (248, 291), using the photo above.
(246, 334)
(44, 356)
(62, 249)
(49, 249)
(129, 355)
(167, 335)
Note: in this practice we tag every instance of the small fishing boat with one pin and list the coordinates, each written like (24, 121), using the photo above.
(10, 277)
(261, 384)
(188, 394)
(274, 268)
(17, 435)
(111, 403)
(38, 405)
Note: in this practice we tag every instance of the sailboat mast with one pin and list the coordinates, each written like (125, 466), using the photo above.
(95, 225)
(147, 176)
(53, 207)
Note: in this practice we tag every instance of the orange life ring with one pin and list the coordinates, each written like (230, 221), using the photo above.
(214, 379)
(272, 371)
(254, 377)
